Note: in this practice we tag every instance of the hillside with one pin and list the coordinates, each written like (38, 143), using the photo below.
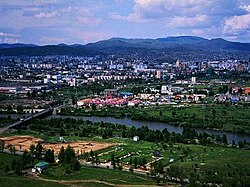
(180, 44)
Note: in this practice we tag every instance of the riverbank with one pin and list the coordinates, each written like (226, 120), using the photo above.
(235, 119)
(155, 126)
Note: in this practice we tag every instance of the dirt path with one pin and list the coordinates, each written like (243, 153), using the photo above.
(156, 160)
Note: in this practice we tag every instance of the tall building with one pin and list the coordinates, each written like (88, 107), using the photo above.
(164, 89)
(193, 80)
(158, 74)
(178, 64)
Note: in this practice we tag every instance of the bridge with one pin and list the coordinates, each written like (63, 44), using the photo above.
(27, 120)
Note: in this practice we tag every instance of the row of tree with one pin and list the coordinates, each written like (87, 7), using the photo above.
(69, 126)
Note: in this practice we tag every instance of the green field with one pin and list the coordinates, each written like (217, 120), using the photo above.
(26, 182)
(99, 174)
(215, 164)
(208, 164)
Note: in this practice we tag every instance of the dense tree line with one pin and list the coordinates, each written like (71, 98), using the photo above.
(212, 118)
(68, 159)
(70, 126)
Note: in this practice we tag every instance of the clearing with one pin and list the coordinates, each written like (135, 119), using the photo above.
(22, 143)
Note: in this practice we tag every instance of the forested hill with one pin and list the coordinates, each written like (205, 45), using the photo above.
(169, 45)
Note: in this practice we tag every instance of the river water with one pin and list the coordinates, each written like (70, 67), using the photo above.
(137, 123)
(155, 126)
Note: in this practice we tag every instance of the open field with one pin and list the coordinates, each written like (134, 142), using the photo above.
(22, 143)
(129, 149)
(79, 147)
(27, 182)
(100, 174)
(210, 163)
(86, 177)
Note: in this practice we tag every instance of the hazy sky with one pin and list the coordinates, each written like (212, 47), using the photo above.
(82, 21)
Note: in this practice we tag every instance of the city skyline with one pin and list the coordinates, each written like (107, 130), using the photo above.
(59, 21)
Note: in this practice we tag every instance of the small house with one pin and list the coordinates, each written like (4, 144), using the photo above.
(136, 138)
(40, 167)
(61, 139)
(156, 153)
(171, 160)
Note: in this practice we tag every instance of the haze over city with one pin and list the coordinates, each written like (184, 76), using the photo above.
(68, 21)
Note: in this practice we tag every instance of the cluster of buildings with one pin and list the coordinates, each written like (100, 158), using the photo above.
(19, 89)
(20, 75)
(68, 69)
(236, 95)
(109, 101)
(185, 91)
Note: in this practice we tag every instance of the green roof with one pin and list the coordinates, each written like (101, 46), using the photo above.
(42, 164)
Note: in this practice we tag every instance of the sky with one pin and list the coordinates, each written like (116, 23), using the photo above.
(45, 22)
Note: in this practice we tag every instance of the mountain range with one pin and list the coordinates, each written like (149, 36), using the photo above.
(177, 44)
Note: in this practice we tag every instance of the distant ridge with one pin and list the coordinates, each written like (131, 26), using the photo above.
(122, 45)
(6, 45)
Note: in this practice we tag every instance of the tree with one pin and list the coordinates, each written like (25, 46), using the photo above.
(75, 164)
(97, 161)
(113, 163)
(25, 159)
(18, 169)
(143, 161)
(224, 139)
(120, 167)
(158, 167)
(61, 154)
(49, 156)
(13, 165)
(62, 132)
(1, 145)
(74, 101)
(11, 149)
(91, 154)
(131, 161)
(39, 149)
(32, 152)
(19, 109)
(67, 168)
(135, 162)
(7, 168)
(233, 143)
(241, 145)
(69, 154)
(68, 158)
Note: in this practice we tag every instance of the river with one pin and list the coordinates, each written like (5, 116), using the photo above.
(14, 116)
(156, 125)
(151, 125)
